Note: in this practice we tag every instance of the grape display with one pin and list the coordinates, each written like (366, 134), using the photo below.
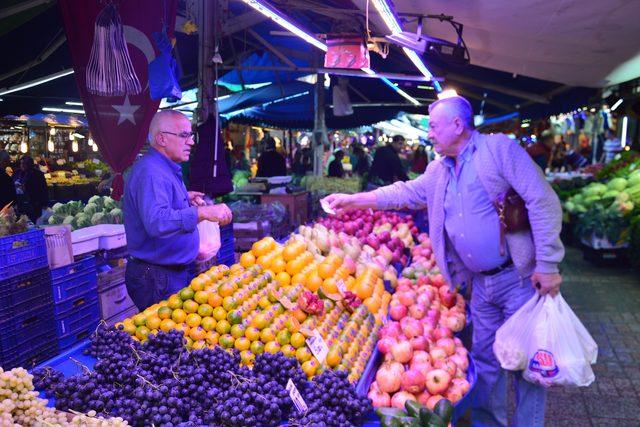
(160, 381)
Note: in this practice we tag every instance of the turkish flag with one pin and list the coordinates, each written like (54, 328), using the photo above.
(118, 124)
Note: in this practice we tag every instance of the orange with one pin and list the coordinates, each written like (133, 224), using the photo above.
(267, 335)
(303, 354)
(326, 270)
(153, 322)
(334, 260)
(272, 347)
(167, 324)
(215, 300)
(212, 338)
(142, 332)
(264, 261)
(290, 252)
(283, 278)
(329, 286)
(247, 259)
(310, 367)
(201, 297)
(299, 279)
(226, 289)
(295, 266)
(193, 320)
(186, 294)
(139, 319)
(197, 333)
(178, 315)
(278, 265)
(164, 313)
(198, 283)
(297, 340)
(334, 357)
(288, 350)
(373, 304)
(252, 333)
(363, 290)
(208, 323)
(174, 302)
(190, 306)
(314, 282)
(205, 310)
(300, 315)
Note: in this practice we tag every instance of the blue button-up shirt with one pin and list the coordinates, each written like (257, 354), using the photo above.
(471, 220)
(161, 227)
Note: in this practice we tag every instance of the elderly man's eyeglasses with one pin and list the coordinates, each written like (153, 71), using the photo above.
(182, 135)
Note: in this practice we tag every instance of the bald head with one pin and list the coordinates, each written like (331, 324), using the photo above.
(163, 120)
(170, 134)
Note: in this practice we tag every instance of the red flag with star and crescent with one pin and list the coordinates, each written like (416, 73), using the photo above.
(118, 124)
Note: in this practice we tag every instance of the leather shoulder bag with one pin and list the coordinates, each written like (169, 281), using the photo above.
(512, 213)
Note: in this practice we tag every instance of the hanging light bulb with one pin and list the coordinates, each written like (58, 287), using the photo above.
(90, 141)
(95, 147)
(74, 146)
(50, 145)
(23, 147)
(71, 137)
(52, 131)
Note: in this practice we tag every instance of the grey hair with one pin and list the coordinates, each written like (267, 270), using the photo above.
(159, 118)
(459, 106)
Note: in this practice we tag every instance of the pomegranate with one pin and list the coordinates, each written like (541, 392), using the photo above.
(402, 351)
(398, 400)
(388, 377)
(412, 381)
(379, 399)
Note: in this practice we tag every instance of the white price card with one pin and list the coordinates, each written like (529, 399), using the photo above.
(317, 346)
(325, 207)
(296, 397)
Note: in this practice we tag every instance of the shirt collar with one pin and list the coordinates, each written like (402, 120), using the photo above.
(175, 167)
(466, 153)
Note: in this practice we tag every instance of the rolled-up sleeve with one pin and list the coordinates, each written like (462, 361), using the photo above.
(411, 194)
(159, 217)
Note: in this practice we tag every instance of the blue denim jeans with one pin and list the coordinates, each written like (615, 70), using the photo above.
(493, 300)
(148, 284)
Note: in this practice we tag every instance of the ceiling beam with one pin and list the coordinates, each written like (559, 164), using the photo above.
(271, 48)
(21, 7)
(38, 60)
(477, 96)
(337, 72)
(240, 22)
(499, 88)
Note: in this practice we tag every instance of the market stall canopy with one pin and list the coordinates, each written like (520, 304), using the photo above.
(573, 42)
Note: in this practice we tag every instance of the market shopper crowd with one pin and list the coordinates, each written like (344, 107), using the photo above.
(499, 270)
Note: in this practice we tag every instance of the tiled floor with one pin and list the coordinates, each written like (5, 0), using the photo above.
(607, 300)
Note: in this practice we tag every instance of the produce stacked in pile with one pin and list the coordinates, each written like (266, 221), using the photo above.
(267, 303)
(160, 382)
(64, 179)
(10, 223)
(21, 406)
(423, 361)
(99, 210)
(605, 210)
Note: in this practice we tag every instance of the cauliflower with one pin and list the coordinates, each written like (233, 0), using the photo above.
(97, 200)
(68, 219)
(83, 220)
(55, 219)
(59, 209)
(90, 209)
(109, 204)
(98, 218)
(116, 215)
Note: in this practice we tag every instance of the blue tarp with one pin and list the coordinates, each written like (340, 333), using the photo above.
(255, 78)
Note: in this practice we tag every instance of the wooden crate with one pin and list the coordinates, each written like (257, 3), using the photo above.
(295, 203)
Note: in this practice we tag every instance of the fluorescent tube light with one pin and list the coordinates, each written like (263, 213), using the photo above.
(62, 110)
(36, 82)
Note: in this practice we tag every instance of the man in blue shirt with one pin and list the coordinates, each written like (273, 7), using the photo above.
(161, 216)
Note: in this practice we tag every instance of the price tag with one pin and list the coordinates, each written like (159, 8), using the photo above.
(286, 302)
(296, 397)
(317, 346)
(342, 288)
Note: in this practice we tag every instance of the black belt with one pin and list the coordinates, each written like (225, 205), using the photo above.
(173, 267)
(508, 263)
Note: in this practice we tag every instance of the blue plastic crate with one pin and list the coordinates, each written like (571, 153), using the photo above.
(21, 253)
(77, 280)
(31, 352)
(79, 267)
(75, 303)
(23, 327)
(18, 294)
(77, 326)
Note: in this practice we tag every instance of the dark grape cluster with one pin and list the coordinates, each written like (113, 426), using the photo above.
(160, 382)
(106, 340)
(332, 402)
(46, 379)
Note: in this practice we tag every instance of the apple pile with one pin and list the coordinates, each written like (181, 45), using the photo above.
(380, 230)
(422, 359)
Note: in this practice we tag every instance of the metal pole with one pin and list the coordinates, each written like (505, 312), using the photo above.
(319, 128)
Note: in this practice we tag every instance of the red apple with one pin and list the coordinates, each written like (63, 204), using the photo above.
(447, 296)
(442, 332)
(446, 365)
(461, 362)
(438, 381)
(423, 398)
(433, 400)
(454, 394)
(437, 353)
(398, 312)
(421, 357)
(419, 343)
(448, 345)
(462, 384)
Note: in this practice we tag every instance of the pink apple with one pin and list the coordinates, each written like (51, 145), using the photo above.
(460, 362)
(437, 353)
(448, 345)
(423, 397)
(421, 356)
(462, 384)
(438, 381)
(454, 394)
(446, 365)
(433, 400)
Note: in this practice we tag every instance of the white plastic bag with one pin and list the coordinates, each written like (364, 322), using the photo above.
(209, 240)
(546, 340)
